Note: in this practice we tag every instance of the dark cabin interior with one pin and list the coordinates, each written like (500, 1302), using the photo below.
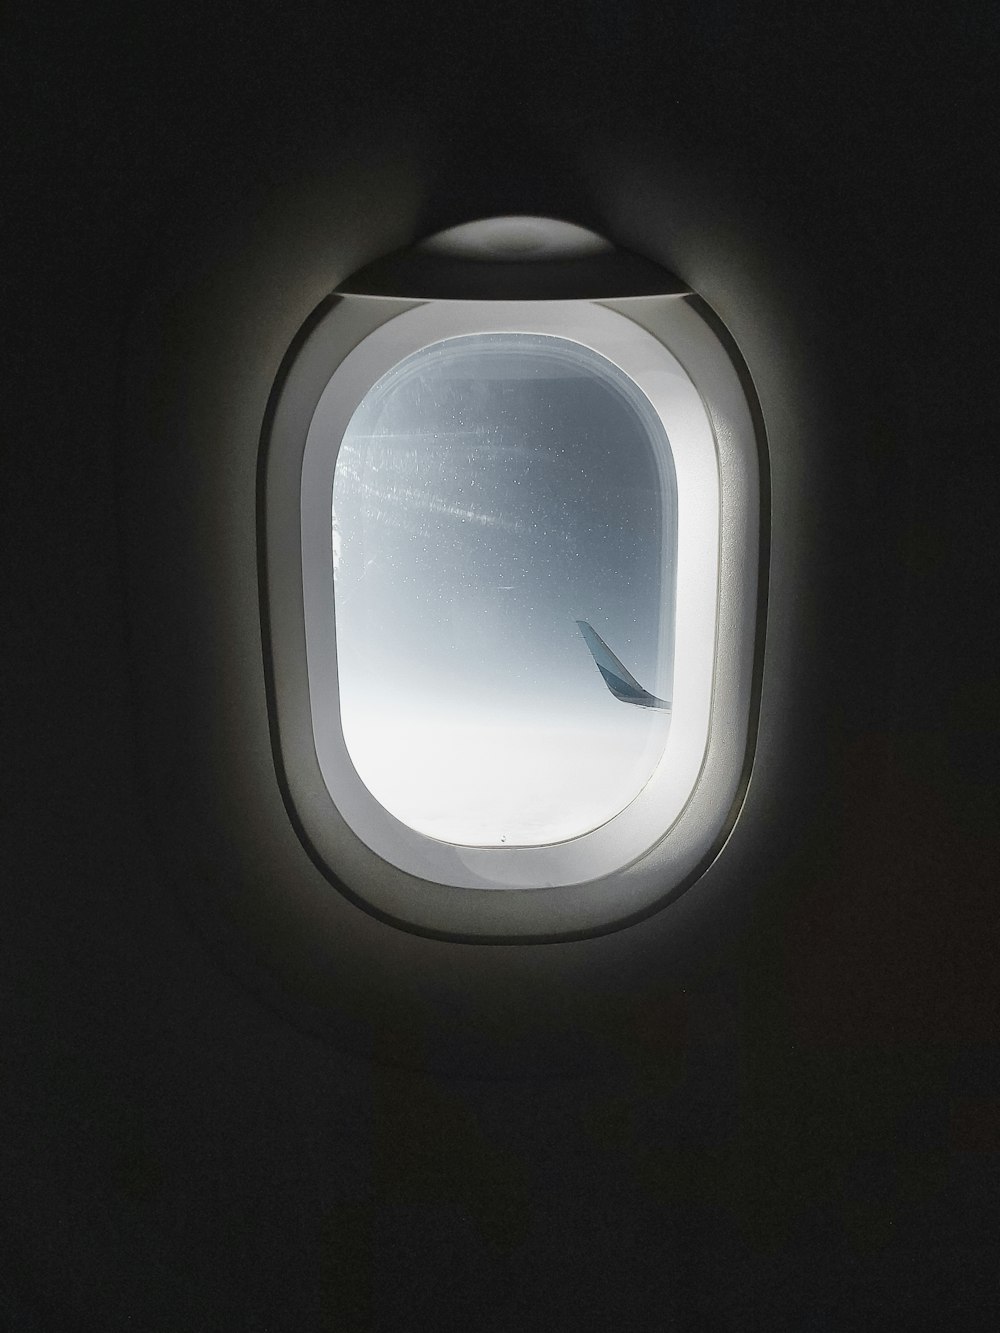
(781, 1108)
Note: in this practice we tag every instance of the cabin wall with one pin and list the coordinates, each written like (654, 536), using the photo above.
(779, 1099)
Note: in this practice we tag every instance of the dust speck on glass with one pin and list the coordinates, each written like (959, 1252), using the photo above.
(490, 492)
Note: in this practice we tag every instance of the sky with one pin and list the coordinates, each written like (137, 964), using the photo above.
(490, 491)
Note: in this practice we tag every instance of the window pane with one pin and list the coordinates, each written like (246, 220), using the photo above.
(492, 491)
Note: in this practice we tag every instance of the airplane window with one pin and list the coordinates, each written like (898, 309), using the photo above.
(504, 562)
(510, 582)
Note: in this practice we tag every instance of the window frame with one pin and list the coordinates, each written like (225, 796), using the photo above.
(662, 840)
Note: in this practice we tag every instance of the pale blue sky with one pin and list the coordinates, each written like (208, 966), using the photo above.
(489, 492)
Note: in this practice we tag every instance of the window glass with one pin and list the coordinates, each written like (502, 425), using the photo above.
(504, 537)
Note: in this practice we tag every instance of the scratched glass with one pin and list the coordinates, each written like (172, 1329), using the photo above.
(491, 493)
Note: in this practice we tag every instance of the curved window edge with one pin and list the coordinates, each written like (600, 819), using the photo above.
(656, 874)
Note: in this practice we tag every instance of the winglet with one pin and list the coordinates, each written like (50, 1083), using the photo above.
(619, 680)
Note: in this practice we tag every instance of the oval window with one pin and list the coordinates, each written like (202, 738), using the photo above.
(511, 604)
(504, 564)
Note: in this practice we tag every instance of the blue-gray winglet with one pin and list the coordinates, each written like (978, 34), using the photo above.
(619, 680)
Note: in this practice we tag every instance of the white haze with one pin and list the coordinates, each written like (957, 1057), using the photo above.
(490, 784)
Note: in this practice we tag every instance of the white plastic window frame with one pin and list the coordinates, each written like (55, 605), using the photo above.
(641, 856)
